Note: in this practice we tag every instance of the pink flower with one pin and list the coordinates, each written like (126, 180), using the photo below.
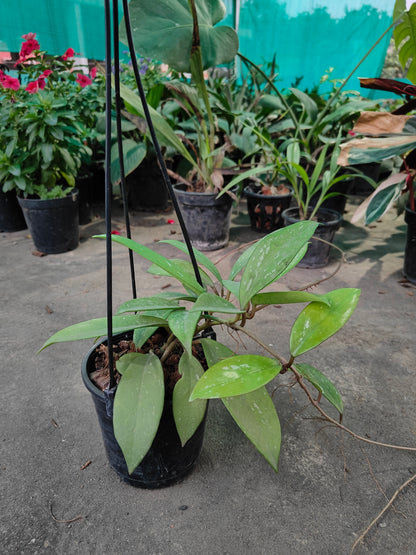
(27, 48)
(115, 232)
(8, 82)
(351, 133)
(83, 80)
(93, 72)
(46, 73)
(29, 36)
(41, 82)
(68, 54)
(33, 87)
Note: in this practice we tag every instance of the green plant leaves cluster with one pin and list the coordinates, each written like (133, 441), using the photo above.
(239, 380)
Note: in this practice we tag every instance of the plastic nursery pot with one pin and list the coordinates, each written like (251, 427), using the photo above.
(409, 269)
(11, 215)
(146, 189)
(84, 185)
(317, 255)
(53, 223)
(207, 218)
(167, 462)
(265, 211)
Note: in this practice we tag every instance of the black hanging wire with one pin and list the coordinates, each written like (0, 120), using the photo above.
(159, 155)
(119, 140)
(108, 97)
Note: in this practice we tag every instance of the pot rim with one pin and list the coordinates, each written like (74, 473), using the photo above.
(336, 216)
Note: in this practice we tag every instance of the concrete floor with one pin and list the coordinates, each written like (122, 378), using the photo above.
(329, 486)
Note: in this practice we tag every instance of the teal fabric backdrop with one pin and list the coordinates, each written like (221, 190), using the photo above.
(307, 36)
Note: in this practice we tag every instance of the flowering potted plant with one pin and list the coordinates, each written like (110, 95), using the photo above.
(161, 362)
(42, 141)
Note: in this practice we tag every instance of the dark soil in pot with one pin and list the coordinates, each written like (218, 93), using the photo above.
(265, 209)
(317, 255)
(167, 462)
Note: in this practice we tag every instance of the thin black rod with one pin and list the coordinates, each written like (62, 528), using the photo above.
(119, 140)
(160, 158)
(108, 193)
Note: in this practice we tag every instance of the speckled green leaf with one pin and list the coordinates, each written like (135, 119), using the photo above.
(319, 321)
(322, 384)
(182, 325)
(138, 406)
(287, 297)
(215, 351)
(237, 375)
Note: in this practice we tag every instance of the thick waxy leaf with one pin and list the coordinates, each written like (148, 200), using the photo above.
(182, 324)
(242, 260)
(148, 303)
(233, 287)
(287, 297)
(188, 415)
(208, 302)
(322, 384)
(138, 406)
(163, 31)
(273, 257)
(141, 335)
(97, 327)
(256, 415)
(172, 269)
(200, 257)
(237, 375)
(215, 351)
(319, 321)
(185, 267)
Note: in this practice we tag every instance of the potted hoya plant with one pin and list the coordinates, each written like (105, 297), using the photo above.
(41, 147)
(168, 363)
(198, 46)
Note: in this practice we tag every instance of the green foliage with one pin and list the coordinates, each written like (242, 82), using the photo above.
(405, 37)
(239, 380)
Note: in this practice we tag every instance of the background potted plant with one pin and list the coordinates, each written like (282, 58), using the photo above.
(179, 326)
(42, 144)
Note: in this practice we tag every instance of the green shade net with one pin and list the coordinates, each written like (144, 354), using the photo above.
(307, 36)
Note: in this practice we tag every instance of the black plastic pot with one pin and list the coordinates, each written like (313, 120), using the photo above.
(53, 224)
(338, 202)
(11, 215)
(317, 255)
(409, 269)
(360, 186)
(206, 217)
(84, 185)
(146, 189)
(167, 462)
(265, 211)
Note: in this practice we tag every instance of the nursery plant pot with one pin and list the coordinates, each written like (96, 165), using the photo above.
(53, 223)
(409, 269)
(360, 186)
(146, 189)
(11, 215)
(84, 185)
(317, 255)
(265, 211)
(167, 462)
(206, 217)
(338, 202)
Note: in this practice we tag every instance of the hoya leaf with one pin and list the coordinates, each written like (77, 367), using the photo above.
(233, 287)
(188, 415)
(273, 257)
(237, 375)
(170, 267)
(183, 324)
(97, 327)
(322, 384)
(287, 297)
(184, 266)
(208, 302)
(200, 257)
(215, 351)
(256, 416)
(147, 303)
(138, 406)
(318, 321)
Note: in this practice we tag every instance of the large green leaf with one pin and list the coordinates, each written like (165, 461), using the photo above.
(174, 270)
(148, 303)
(215, 351)
(182, 324)
(273, 257)
(133, 154)
(236, 375)
(208, 302)
(200, 257)
(188, 415)
(138, 406)
(97, 327)
(405, 37)
(163, 31)
(184, 266)
(322, 384)
(256, 416)
(318, 321)
(382, 201)
(287, 297)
